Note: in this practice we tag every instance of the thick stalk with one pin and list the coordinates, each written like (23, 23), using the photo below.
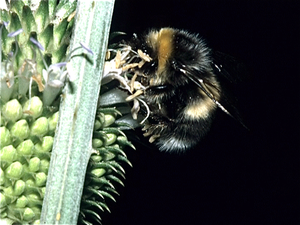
(72, 147)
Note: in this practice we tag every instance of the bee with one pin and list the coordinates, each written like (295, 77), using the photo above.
(182, 89)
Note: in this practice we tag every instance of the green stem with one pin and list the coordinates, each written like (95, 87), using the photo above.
(72, 146)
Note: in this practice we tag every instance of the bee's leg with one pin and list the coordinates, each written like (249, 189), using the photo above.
(156, 125)
(158, 90)
(153, 130)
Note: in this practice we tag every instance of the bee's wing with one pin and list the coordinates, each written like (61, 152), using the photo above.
(203, 86)
(206, 86)
(229, 68)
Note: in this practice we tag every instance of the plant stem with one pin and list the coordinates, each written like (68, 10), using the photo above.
(73, 146)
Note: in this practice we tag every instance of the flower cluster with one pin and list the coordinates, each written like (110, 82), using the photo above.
(119, 68)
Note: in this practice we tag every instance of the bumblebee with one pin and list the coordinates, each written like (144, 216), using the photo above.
(182, 89)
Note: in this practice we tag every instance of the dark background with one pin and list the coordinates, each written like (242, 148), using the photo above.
(234, 176)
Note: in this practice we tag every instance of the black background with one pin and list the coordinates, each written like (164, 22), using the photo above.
(233, 176)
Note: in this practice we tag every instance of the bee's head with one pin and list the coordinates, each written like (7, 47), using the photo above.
(172, 51)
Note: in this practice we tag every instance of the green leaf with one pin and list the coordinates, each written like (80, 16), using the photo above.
(106, 194)
(93, 213)
(115, 150)
(101, 181)
(94, 191)
(103, 205)
(92, 203)
(109, 189)
(115, 179)
(124, 159)
(105, 165)
(114, 130)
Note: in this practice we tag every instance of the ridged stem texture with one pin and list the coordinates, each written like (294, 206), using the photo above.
(73, 140)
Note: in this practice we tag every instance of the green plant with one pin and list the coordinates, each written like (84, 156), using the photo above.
(47, 79)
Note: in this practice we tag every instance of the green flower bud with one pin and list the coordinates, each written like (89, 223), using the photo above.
(33, 200)
(28, 214)
(40, 179)
(108, 120)
(122, 138)
(53, 120)
(19, 187)
(12, 110)
(30, 183)
(37, 210)
(14, 171)
(3, 202)
(99, 172)
(36, 107)
(109, 156)
(25, 148)
(116, 146)
(96, 143)
(21, 202)
(45, 145)
(2, 177)
(42, 192)
(5, 138)
(34, 164)
(111, 139)
(96, 158)
(44, 166)
(97, 125)
(20, 130)
(8, 154)
(8, 191)
(40, 127)
(123, 141)
(38, 222)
